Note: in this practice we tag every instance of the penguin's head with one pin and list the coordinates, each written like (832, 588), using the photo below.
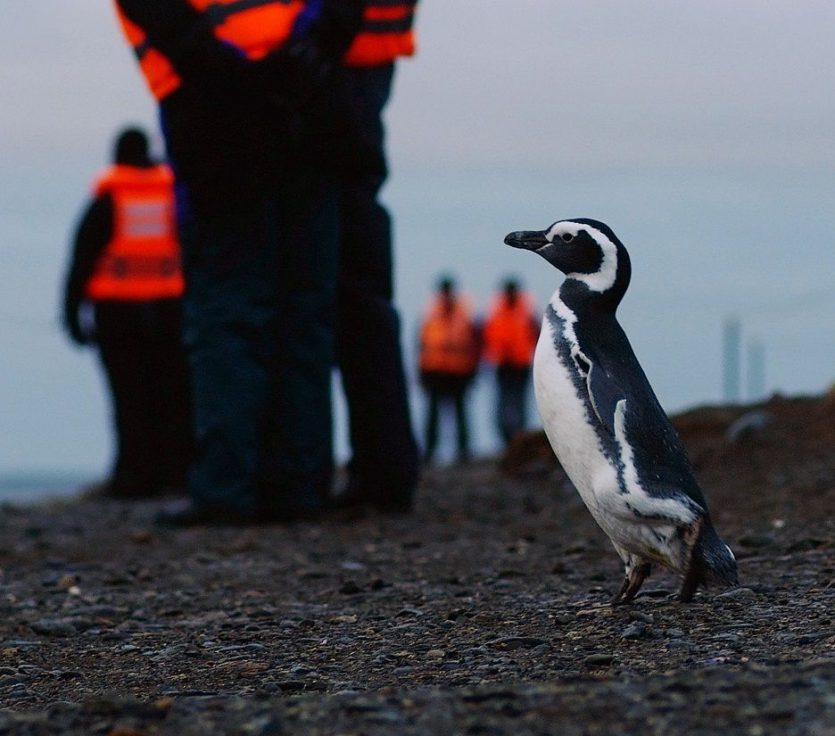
(586, 251)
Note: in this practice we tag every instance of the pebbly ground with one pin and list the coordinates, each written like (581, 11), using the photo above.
(484, 612)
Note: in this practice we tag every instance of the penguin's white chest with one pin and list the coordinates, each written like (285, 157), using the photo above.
(565, 418)
(608, 484)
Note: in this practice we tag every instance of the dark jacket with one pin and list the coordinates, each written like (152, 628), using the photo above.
(233, 124)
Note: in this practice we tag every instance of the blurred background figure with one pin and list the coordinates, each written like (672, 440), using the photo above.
(384, 463)
(126, 265)
(510, 334)
(449, 353)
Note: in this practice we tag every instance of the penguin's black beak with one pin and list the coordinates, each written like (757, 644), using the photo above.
(527, 239)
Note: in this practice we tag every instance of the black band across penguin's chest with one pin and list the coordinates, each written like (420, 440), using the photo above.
(578, 363)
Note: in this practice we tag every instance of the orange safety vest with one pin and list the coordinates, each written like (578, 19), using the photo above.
(142, 260)
(257, 27)
(447, 340)
(387, 32)
(510, 332)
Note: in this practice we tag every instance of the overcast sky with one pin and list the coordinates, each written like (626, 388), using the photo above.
(549, 82)
(578, 94)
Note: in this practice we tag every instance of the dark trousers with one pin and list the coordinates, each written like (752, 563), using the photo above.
(444, 391)
(512, 394)
(259, 328)
(384, 451)
(140, 346)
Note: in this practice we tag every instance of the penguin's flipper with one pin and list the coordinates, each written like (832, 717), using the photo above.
(605, 395)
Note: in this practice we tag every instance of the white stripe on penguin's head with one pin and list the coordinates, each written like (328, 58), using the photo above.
(566, 233)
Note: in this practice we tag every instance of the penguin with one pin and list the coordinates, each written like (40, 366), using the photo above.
(605, 424)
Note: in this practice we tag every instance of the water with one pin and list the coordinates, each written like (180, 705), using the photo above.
(23, 488)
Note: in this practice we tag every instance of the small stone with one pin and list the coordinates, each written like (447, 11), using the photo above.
(636, 631)
(140, 536)
(65, 582)
(738, 593)
(53, 627)
(732, 638)
(352, 565)
(343, 619)
(517, 642)
(804, 545)
(756, 540)
(349, 587)
(599, 660)
(435, 654)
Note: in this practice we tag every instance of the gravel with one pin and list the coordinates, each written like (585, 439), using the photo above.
(484, 612)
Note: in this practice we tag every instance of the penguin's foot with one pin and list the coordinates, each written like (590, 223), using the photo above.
(693, 574)
(632, 584)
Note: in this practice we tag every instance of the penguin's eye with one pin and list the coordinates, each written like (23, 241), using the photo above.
(567, 237)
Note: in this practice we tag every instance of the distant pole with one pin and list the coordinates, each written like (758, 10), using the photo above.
(756, 369)
(731, 339)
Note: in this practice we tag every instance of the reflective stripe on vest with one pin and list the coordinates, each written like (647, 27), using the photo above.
(142, 260)
(510, 332)
(447, 340)
(256, 27)
(157, 70)
(386, 33)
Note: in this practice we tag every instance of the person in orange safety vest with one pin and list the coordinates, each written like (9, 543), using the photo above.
(510, 334)
(448, 361)
(260, 126)
(126, 266)
(383, 468)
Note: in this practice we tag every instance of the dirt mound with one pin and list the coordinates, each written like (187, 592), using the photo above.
(762, 459)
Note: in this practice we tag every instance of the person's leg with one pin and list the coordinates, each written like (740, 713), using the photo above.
(503, 409)
(462, 423)
(170, 396)
(296, 465)
(508, 410)
(432, 421)
(384, 462)
(122, 353)
(523, 379)
(514, 388)
(230, 317)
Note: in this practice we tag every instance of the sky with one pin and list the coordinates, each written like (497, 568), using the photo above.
(703, 133)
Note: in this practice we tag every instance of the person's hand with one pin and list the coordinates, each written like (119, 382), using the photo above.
(75, 330)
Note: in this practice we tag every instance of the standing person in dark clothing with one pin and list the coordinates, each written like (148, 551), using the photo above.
(510, 335)
(253, 114)
(126, 263)
(383, 470)
(448, 361)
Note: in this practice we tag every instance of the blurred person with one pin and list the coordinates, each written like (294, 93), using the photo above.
(448, 362)
(383, 469)
(126, 264)
(510, 334)
(253, 107)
